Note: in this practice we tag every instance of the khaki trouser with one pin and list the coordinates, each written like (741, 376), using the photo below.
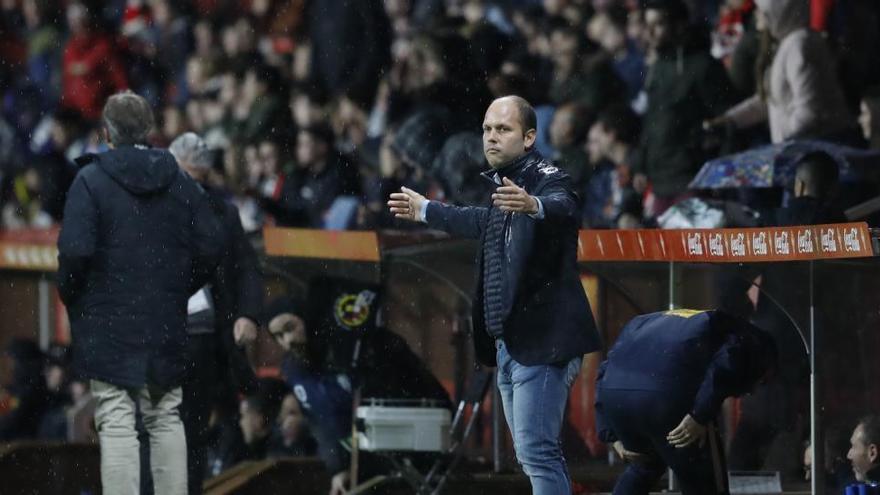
(120, 453)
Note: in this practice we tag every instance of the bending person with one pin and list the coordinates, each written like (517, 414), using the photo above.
(661, 387)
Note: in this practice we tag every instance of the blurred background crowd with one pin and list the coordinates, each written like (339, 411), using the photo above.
(315, 110)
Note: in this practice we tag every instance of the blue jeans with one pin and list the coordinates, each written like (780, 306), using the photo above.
(534, 400)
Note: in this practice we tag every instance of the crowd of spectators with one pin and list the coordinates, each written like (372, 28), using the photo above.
(315, 110)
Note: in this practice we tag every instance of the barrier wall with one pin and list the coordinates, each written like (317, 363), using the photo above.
(813, 287)
(816, 286)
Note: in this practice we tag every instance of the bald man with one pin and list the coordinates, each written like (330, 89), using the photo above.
(531, 316)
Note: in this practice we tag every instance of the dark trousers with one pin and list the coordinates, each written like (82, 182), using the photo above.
(195, 410)
(641, 420)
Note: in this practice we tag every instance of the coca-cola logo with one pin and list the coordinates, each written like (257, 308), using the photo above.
(828, 241)
(781, 243)
(805, 241)
(695, 244)
(716, 245)
(738, 244)
(759, 244)
(851, 243)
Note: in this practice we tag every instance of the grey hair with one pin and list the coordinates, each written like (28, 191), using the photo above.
(191, 150)
(128, 118)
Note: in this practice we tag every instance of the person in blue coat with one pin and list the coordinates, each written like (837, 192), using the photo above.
(137, 239)
(531, 317)
(334, 345)
(660, 389)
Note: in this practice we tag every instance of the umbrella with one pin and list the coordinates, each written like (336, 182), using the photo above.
(774, 165)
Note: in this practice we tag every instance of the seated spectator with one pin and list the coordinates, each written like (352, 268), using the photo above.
(611, 145)
(458, 166)
(26, 207)
(864, 451)
(568, 133)
(815, 189)
(256, 422)
(838, 469)
(53, 425)
(174, 123)
(224, 440)
(306, 106)
(44, 47)
(241, 431)
(407, 155)
(418, 141)
(319, 369)
(869, 118)
(259, 112)
(306, 195)
(593, 83)
(23, 397)
(799, 94)
(608, 29)
(53, 162)
(291, 436)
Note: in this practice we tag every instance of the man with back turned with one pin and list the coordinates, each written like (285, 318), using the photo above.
(531, 316)
(137, 239)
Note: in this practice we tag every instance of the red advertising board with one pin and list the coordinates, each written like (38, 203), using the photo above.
(848, 240)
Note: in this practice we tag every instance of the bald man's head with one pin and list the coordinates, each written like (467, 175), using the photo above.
(509, 130)
(527, 118)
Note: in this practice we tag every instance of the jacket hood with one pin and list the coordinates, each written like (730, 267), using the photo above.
(785, 16)
(140, 171)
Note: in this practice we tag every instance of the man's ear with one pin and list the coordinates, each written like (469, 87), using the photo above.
(529, 138)
(105, 134)
(873, 453)
(798, 187)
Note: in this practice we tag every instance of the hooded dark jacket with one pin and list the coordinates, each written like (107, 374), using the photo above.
(137, 239)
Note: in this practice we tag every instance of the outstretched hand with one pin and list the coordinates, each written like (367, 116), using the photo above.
(407, 204)
(510, 197)
(686, 433)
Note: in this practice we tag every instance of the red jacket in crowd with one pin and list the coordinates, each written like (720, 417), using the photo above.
(92, 72)
(819, 12)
